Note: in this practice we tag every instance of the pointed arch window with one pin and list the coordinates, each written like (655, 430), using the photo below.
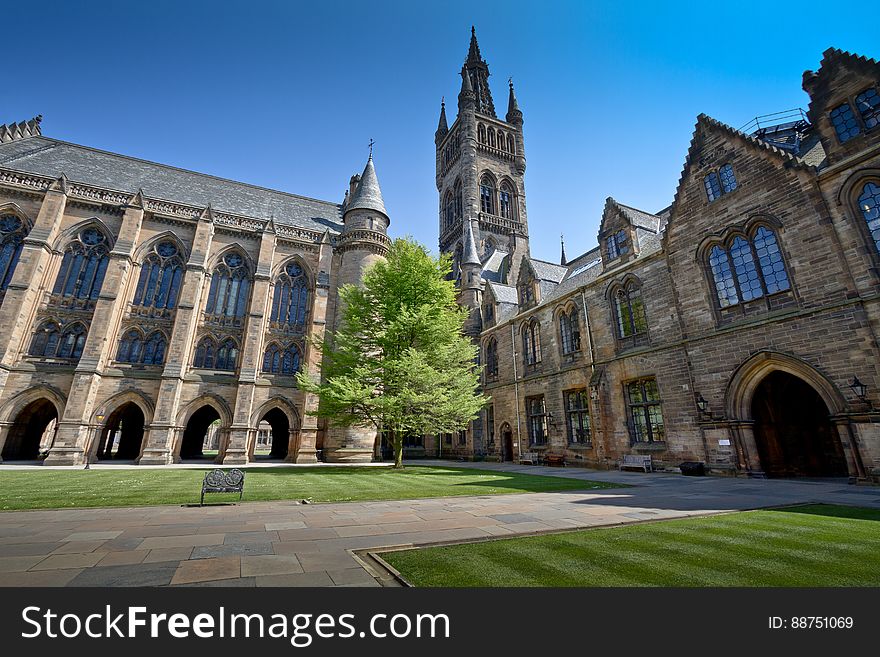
(844, 122)
(491, 138)
(457, 212)
(448, 211)
(282, 360)
(214, 355)
(134, 348)
(531, 338)
(230, 285)
(72, 341)
(749, 268)
(505, 201)
(83, 267)
(290, 304)
(492, 358)
(632, 322)
(569, 332)
(487, 195)
(12, 232)
(869, 204)
(45, 340)
(501, 140)
(510, 145)
(481, 133)
(160, 278)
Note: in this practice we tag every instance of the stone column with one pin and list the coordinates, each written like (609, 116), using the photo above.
(850, 448)
(73, 437)
(237, 449)
(305, 451)
(747, 448)
(29, 282)
(160, 441)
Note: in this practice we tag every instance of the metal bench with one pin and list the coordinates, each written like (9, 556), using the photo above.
(636, 461)
(532, 458)
(223, 481)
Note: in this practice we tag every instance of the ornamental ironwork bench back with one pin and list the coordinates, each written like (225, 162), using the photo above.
(223, 481)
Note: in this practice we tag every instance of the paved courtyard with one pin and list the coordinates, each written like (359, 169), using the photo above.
(288, 544)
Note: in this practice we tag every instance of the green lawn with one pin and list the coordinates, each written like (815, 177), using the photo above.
(44, 489)
(817, 545)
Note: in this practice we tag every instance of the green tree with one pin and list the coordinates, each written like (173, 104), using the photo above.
(399, 359)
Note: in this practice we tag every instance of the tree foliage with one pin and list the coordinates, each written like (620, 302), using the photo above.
(399, 359)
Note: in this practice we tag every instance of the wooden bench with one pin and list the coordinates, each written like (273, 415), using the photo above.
(223, 481)
(532, 458)
(636, 461)
(555, 459)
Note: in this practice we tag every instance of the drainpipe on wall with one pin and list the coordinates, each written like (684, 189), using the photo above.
(597, 445)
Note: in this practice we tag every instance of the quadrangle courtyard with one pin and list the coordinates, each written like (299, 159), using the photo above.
(287, 543)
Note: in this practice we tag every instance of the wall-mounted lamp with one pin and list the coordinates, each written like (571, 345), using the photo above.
(703, 406)
(859, 388)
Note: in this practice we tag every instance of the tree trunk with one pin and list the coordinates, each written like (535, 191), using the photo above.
(398, 449)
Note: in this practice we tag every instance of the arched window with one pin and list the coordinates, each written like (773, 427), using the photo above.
(632, 323)
(869, 204)
(278, 360)
(134, 348)
(487, 195)
(501, 140)
(83, 266)
(290, 304)
(748, 269)
(72, 342)
(12, 232)
(510, 145)
(481, 133)
(505, 205)
(531, 337)
(570, 332)
(161, 273)
(448, 211)
(230, 283)
(492, 137)
(213, 356)
(492, 357)
(45, 341)
(458, 204)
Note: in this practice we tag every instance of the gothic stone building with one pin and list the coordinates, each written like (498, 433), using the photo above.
(145, 308)
(737, 327)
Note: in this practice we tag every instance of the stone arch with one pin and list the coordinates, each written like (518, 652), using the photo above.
(747, 377)
(848, 191)
(15, 209)
(277, 405)
(193, 423)
(506, 438)
(68, 234)
(216, 259)
(144, 248)
(120, 399)
(279, 267)
(20, 437)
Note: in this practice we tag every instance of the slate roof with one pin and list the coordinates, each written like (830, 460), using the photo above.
(493, 265)
(368, 195)
(548, 271)
(504, 293)
(50, 157)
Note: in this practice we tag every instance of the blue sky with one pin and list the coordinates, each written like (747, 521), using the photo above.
(288, 94)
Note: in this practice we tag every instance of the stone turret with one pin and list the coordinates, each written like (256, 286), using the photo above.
(363, 242)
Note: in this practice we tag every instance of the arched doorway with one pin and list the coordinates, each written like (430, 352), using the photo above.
(273, 435)
(202, 435)
(506, 443)
(32, 432)
(123, 434)
(793, 432)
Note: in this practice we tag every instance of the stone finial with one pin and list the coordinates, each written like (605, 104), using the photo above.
(442, 125)
(562, 260)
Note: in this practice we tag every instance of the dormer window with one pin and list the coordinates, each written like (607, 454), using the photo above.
(720, 182)
(526, 293)
(844, 122)
(616, 245)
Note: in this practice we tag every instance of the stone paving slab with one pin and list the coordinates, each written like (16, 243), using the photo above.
(285, 543)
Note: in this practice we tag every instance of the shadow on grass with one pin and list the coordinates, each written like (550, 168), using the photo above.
(833, 511)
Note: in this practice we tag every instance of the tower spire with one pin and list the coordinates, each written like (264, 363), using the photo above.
(562, 260)
(514, 115)
(470, 255)
(442, 126)
(478, 71)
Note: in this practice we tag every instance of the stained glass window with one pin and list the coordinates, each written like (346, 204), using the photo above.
(869, 204)
(844, 122)
(230, 284)
(11, 241)
(160, 278)
(290, 304)
(278, 360)
(83, 267)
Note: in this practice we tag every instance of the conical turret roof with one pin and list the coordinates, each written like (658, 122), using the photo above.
(470, 255)
(368, 195)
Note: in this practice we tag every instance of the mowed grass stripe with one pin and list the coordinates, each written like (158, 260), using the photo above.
(46, 489)
(816, 545)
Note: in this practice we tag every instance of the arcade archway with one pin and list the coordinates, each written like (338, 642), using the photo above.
(32, 431)
(202, 435)
(122, 434)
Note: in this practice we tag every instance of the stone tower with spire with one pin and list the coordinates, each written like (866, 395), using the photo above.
(363, 241)
(480, 167)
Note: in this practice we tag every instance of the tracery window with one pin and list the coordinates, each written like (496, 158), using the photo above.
(720, 182)
(505, 205)
(531, 338)
(214, 355)
(50, 341)
(492, 358)
(160, 279)
(749, 268)
(569, 332)
(230, 284)
(281, 360)
(45, 340)
(448, 211)
(134, 348)
(869, 204)
(290, 305)
(629, 308)
(83, 267)
(12, 232)
(487, 195)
